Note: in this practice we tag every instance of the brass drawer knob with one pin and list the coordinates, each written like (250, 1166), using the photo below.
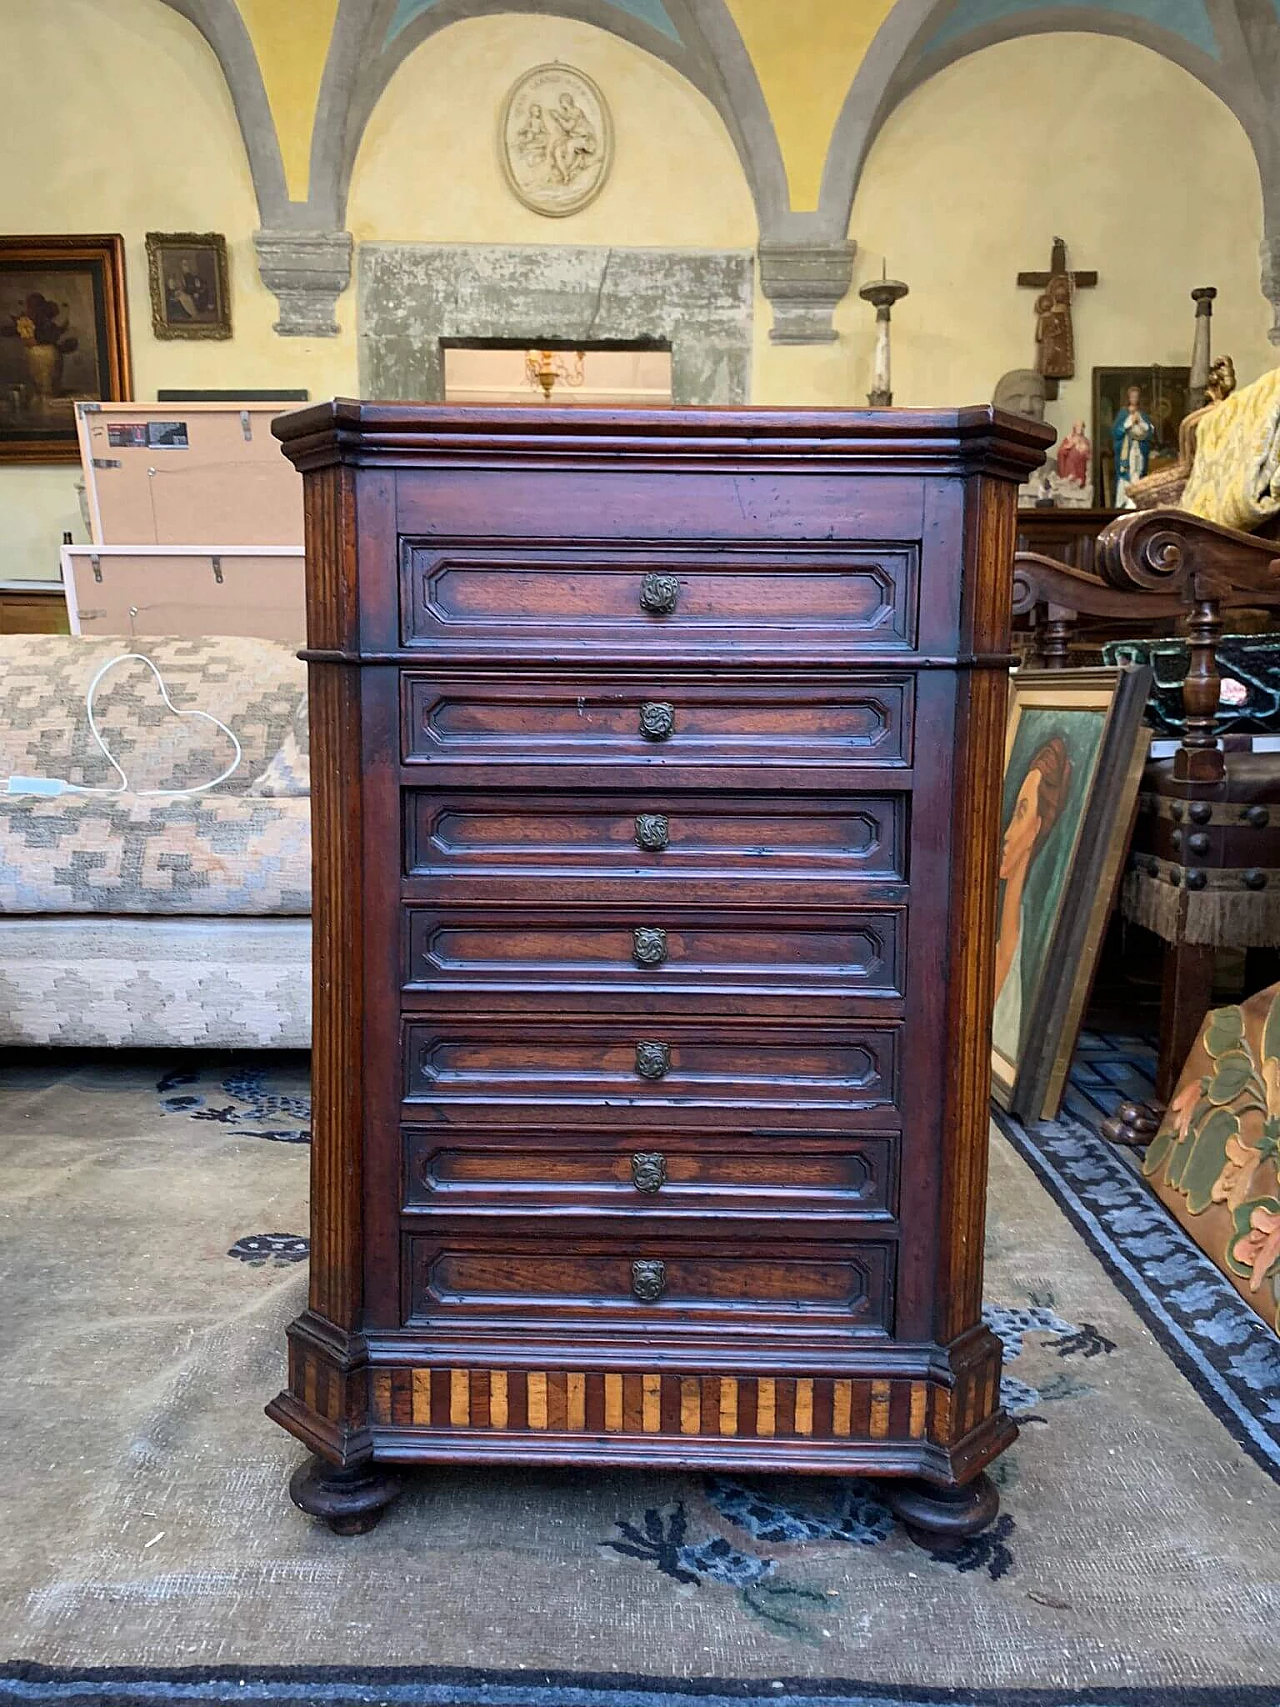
(652, 831)
(657, 719)
(659, 594)
(648, 945)
(648, 1279)
(649, 1171)
(653, 1060)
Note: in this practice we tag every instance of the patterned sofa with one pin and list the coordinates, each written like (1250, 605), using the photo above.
(135, 919)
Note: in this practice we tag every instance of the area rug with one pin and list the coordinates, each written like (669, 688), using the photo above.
(153, 1249)
(1229, 1355)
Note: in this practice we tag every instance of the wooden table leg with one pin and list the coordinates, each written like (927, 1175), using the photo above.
(1185, 998)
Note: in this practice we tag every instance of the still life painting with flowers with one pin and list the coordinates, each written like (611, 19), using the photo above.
(1214, 1160)
(63, 338)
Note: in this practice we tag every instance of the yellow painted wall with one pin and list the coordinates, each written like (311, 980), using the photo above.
(972, 177)
(428, 168)
(291, 40)
(806, 54)
(966, 185)
(140, 137)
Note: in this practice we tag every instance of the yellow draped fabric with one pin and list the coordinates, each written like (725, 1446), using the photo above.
(1235, 477)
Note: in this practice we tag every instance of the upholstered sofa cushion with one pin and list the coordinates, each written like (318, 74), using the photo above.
(288, 772)
(251, 685)
(206, 854)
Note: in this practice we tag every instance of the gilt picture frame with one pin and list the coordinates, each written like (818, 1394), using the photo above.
(190, 284)
(64, 338)
(1075, 745)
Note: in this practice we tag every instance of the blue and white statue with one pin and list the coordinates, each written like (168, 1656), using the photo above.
(1133, 435)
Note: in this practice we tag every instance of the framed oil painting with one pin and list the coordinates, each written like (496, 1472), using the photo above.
(64, 337)
(1136, 415)
(1074, 750)
(190, 296)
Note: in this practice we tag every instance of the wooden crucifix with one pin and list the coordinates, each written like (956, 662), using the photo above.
(1055, 336)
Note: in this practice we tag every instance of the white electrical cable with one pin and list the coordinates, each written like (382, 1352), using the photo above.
(53, 785)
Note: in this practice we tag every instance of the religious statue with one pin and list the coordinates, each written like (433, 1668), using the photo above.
(1073, 457)
(1133, 435)
(1055, 339)
(1055, 335)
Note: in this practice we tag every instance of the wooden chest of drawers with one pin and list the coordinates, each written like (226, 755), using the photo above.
(655, 766)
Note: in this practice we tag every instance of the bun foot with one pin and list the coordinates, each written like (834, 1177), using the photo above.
(1134, 1124)
(350, 1501)
(941, 1518)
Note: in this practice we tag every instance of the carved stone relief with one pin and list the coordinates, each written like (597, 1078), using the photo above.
(555, 140)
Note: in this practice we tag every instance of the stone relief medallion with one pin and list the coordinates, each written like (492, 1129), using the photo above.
(556, 140)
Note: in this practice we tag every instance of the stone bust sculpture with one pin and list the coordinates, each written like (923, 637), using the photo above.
(1022, 392)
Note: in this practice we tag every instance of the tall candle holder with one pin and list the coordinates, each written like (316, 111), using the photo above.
(882, 293)
(1201, 354)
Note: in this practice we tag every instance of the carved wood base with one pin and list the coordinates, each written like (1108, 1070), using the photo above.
(1133, 1124)
(940, 1517)
(350, 1501)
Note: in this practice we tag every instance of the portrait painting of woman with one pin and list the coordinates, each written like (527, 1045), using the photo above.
(1073, 754)
(1036, 810)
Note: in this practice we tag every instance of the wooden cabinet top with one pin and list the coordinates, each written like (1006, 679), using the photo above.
(980, 439)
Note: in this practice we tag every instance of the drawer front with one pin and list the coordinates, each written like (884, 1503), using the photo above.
(454, 834)
(634, 1282)
(548, 1169)
(656, 723)
(634, 952)
(518, 601)
(476, 1071)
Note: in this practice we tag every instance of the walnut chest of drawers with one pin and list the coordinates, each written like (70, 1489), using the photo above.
(655, 772)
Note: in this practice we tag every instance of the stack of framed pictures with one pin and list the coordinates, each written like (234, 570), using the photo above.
(1074, 750)
(196, 518)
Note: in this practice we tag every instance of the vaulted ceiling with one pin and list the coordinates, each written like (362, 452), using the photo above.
(803, 87)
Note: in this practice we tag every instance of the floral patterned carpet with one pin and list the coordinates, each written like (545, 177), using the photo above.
(154, 1248)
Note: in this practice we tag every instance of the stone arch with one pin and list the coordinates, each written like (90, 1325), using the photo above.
(221, 25)
(710, 55)
(901, 59)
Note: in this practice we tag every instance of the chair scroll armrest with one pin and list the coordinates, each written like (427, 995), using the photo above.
(1041, 580)
(1171, 551)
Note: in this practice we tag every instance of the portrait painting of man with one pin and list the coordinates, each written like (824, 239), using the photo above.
(189, 290)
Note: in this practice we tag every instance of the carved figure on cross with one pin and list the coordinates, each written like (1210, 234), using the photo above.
(1055, 334)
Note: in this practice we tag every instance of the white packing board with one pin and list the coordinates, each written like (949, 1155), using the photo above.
(137, 591)
(188, 474)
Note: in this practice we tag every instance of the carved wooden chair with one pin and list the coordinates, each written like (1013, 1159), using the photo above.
(1204, 868)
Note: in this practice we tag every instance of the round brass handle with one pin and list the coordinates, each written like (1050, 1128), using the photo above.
(659, 594)
(657, 719)
(648, 1171)
(648, 1279)
(648, 945)
(653, 1060)
(652, 831)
